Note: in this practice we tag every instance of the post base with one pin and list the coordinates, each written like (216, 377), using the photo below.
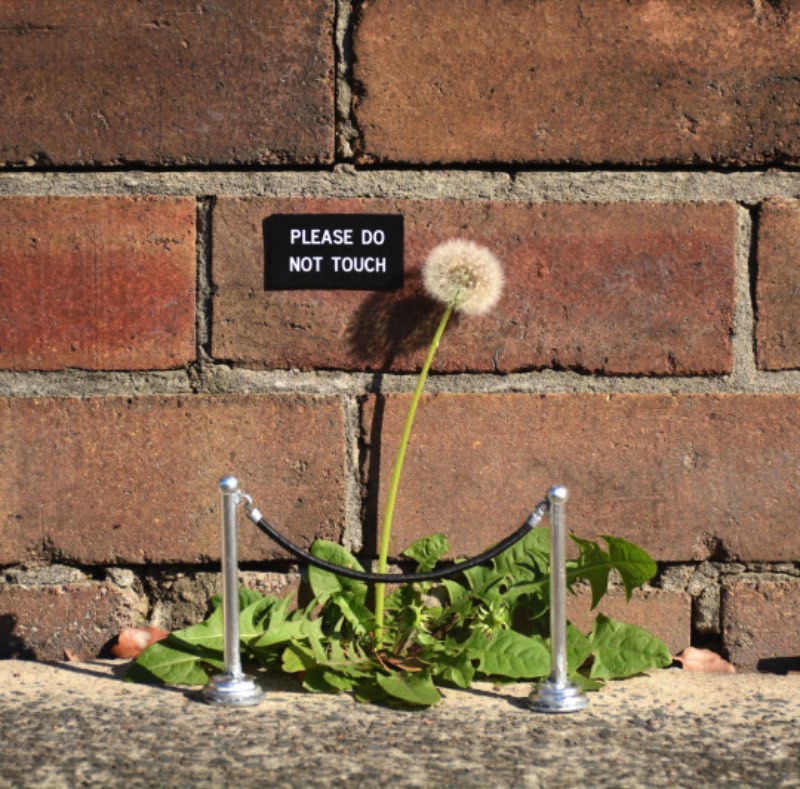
(550, 696)
(227, 690)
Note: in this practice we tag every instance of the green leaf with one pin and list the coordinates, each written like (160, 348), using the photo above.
(357, 615)
(164, 662)
(249, 596)
(527, 558)
(279, 634)
(579, 648)
(583, 682)
(297, 658)
(207, 634)
(484, 581)
(251, 619)
(324, 583)
(594, 564)
(427, 551)
(417, 689)
(369, 692)
(622, 650)
(455, 591)
(322, 680)
(633, 563)
(510, 654)
(456, 669)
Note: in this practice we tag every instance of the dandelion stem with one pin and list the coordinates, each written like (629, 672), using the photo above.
(386, 529)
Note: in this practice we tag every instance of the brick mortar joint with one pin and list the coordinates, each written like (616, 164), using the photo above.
(209, 377)
(346, 131)
(346, 180)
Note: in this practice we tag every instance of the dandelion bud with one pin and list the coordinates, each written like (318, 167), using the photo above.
(464, 275)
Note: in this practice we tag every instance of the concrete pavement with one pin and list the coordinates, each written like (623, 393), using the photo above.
(77, 724)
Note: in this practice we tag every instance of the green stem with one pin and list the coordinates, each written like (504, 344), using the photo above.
(386, 530)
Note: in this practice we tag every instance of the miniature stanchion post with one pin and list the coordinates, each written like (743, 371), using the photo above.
(232, 688)
(557, 693)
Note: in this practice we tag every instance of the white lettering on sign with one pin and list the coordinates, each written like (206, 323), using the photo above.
(359, 265)
(305, 264)
(372, 237)
(317, 236)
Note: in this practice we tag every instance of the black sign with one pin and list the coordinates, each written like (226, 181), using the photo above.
(333, 251)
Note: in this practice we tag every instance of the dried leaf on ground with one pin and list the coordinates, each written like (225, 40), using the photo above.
(70, 656)
(704, 660)
(133, 641)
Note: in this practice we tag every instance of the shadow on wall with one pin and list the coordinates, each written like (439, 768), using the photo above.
(779, 665)
(12, 647)
(385, 327)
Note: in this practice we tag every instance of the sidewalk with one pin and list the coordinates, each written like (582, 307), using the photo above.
(77, 724)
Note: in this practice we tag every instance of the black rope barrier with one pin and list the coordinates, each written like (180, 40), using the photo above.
(400, 578)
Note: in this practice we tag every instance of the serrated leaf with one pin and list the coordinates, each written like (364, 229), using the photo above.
(207, 634)
(248, 596)
(324, 583)
(622, 650)
(484, 581)
(633, 563)
(415, 689)
(355, 613)
(278, 634)
(427, 551)
(511, 654)
(296, 658)
(251, 625)
(531, 554)
(594, 565)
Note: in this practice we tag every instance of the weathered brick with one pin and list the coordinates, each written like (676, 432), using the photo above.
(128, 481)
(614, 288)
(42, 623)
(761, 624)
(556, 82)
(666, 614)
(100, 283)
(778, 287)
(687, 477)
(239, 82)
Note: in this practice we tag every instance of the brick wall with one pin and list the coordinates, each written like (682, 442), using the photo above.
(634, 166)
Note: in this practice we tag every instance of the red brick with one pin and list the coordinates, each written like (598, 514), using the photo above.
(687, 477)
(667, 615)
(761, 624)
(42, 623)
(118, 481)
(778, 288)
(615, 288)
(239, 82)
(556, 82)
(100, 283)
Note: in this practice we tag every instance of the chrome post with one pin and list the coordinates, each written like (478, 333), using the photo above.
(232, 688)
(557, 693)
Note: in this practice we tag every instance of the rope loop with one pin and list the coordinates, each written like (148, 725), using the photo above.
(533, 520)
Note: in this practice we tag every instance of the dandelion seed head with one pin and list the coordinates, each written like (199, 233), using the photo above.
(463, 274)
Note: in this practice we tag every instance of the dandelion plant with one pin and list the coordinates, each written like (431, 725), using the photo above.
(465, 278)
(489, 624)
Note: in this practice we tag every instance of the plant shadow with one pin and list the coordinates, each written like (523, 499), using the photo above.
(779, 665)
(386, 327)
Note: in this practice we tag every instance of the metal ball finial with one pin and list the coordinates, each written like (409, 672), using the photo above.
(229, 484)
(558, 494)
